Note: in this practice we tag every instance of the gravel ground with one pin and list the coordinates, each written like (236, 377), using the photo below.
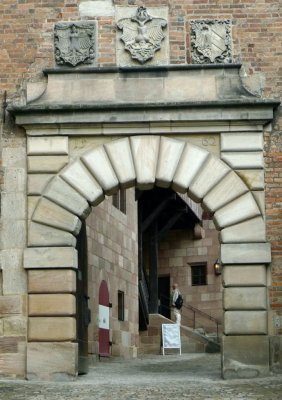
(190, 376)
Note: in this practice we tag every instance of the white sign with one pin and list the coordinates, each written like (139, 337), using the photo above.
(104, 317)
(171, 337)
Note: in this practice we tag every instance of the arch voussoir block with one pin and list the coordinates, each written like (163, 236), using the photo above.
(192, 160)
(145, 150)
(239, 210)
(79, 177)
(98, 163)
(64, 195)
(210, 174)
(252, 230)
(227, 189)
(119, 153)
(49, 213)
(42, 235)
(169, 156)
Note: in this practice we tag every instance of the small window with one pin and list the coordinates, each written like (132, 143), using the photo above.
(199, 274)
(120, 305)
(119, 200)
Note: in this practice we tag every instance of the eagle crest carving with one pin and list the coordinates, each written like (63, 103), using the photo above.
(142, 34)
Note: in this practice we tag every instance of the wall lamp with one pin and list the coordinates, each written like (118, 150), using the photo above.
(217, 267)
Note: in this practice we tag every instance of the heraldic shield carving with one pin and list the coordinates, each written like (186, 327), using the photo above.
(211, 41)
(142, 34)
(74, 43)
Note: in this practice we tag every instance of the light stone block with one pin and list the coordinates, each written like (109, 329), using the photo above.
(169, 156)
(13, 205)
(51, 281)
(259, 196)
(53, 145)
(252, 230)
(13, 235)
(10, 305)
(77, 175)
(65, 196)
(49, 213)
(13, 365)
(14, 157)
(241, 141)
(246, 253)
(246, 298)
(119, 153)
(244, 275)
(52, 361)
(14, 180)
(253, 178)
(245, 356)
(145, 151)
(45, 236)
(96, 8)
(50, 257)
(14, 276)
(46, 164)
(32, 202)
(228, 189)
(51, 304)
(245, 323)
(36, 183)
(244, 160)
(15, 326)
(210, 174)
(51, 329)
(192, 160)
(240, 209)
(100, 166)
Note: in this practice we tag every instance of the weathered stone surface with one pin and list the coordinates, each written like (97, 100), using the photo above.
(145, 155)
(240, 209)
(13, 235)
(15, 326)
(13, 365)
(52, 361)
(51, 214)
(42, 235)
(10, 305)
(245, 357)
(14, 157)
(98, 8)
(259, 196)
(36, 183)
(99, 164)
(14, 180)
(51, 304)
(244, 275)
(52, 329)
(245, 323)
(77, 175)
(51, 281)
(31, 205)
(254, 178)
(210, 174)
(246, 253)
(169, 156)
(14, 277)
(246, 298)
(275, 354)
(46, 164)
(64, 195)
(252, 230)
(192, 160)
(53, 145)
(230, 187)
(241, 141)
(119, 153)
(50, 257)
(13, 205)
(243, 160)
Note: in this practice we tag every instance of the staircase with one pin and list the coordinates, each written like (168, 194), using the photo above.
(192, 341)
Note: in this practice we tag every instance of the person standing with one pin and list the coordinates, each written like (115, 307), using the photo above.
(174, 295)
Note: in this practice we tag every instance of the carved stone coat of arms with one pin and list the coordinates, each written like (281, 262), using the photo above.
(74, 43)
(142, 34)
(211, 41)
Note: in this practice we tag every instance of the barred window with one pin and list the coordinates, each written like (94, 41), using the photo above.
(199, 274)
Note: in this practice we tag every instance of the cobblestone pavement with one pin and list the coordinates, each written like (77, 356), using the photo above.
(190, 376)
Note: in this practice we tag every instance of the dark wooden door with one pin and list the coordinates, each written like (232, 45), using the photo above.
(104, 320)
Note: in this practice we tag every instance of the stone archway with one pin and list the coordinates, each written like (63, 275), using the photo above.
(143, 162)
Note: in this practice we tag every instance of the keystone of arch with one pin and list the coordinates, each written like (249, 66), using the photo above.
(145, 162)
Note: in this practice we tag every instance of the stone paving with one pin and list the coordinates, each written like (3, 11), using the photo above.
(190, 376)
